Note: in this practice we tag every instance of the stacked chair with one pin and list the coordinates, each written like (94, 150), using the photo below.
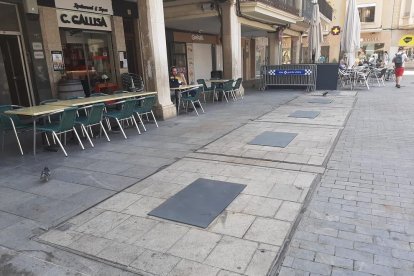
(132, 82)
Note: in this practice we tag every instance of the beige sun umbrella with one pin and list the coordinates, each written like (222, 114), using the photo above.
(315, 37)
(351, 33)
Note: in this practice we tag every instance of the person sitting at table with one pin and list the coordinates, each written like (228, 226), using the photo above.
(342, 64)
(176, 79)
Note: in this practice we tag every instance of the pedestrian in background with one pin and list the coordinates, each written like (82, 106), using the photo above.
(399, 63)
(386, 58)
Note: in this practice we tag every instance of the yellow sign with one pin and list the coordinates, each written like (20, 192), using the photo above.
(336, 30)
(407, 40)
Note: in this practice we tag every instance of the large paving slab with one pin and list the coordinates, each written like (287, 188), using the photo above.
(327, 116)
(245, 238)
(311, 146)
(330, 101)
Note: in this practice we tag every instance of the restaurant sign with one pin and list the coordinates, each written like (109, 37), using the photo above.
(83, 20)
(195, 38)
(101, 6)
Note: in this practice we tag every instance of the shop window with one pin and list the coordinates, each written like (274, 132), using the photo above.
(179, 57)
(324, 54)
(261, 54)
(367, 13)
(286, 59)
(87, 56)
(371, 50)
(9, 21)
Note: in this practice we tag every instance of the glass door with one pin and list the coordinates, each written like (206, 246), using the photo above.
(87, 57)
(13, 85)
(179, 57)
(98, 49)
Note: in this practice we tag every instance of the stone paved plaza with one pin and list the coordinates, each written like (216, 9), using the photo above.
(336, 201)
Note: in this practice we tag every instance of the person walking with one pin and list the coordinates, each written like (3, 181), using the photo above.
(399, 63)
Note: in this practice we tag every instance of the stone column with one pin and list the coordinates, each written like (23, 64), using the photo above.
(296, 48)
(275, 47)
(51, 42)
(154, 55)
(232, 55)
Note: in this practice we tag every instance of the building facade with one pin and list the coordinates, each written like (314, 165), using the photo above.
(384, 25)
(46, 41)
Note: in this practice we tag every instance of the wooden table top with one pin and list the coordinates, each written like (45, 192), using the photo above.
(37, 110)
(99, 99)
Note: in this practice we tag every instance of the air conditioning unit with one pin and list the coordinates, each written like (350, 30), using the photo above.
(30, 6)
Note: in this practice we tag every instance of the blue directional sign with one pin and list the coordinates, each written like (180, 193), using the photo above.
(290, 72)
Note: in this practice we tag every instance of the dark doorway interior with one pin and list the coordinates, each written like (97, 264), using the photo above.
(131, 47)
(13, 86)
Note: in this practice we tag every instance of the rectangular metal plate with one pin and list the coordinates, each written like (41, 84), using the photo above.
(274, 139)
(321, 101)
(199, 203)
(305, 114)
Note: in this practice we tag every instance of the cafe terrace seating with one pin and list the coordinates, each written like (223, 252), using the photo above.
(66, 124)
(192, 98)
(144, 107)
(12, 123)
(94, 117)
(126, 113)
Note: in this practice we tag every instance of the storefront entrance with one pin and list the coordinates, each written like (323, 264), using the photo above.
(14, 87)
(87, 56)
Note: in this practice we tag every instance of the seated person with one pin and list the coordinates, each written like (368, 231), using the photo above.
(342, 64)
(176, 79)
(379, 63)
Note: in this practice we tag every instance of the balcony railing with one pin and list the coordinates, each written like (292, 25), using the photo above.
(284, 5)
(325, 9)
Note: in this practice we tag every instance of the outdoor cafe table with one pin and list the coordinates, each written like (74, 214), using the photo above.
(99, 99)
(35, 112)
(180, 90)
(218, 81)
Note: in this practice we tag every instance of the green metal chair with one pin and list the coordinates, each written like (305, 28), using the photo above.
(51, 118)
(144, 107)
(12, 123)
(93, 118)
(126, 113)
(236, 88)
(206, 89)
(66, 124)
(227, 89)
(192, 98)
